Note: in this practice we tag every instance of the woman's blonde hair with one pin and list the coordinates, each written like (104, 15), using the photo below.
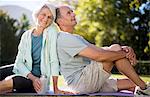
(51, 7)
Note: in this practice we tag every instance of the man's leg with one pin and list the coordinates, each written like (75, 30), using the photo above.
(124, 66)
(114, 85)
(122, 84)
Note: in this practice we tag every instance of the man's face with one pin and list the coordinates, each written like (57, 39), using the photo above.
(67, 16)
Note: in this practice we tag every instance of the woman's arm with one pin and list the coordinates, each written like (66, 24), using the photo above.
(19, 66)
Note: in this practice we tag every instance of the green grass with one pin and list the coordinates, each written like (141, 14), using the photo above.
(146, 78)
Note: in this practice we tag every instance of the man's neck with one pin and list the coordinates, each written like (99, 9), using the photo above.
(67, 29)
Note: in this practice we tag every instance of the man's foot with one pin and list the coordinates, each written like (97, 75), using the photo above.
(142, 93)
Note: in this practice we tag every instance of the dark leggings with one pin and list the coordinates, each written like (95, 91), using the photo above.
(22, 85)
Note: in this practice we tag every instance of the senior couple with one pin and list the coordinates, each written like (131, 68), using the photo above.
(85, 67)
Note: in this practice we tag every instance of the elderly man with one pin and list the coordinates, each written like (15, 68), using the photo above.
(87, 68)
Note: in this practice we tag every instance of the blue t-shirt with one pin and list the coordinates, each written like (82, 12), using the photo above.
(36, 54)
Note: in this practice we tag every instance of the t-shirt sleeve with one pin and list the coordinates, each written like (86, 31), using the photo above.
(72, 44)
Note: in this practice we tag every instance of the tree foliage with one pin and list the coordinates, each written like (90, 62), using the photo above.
(104, 22)
(9, 39)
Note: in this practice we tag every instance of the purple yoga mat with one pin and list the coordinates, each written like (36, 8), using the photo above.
(112, 94)
(121, 93)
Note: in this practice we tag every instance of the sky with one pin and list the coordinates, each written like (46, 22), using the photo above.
(29, 4)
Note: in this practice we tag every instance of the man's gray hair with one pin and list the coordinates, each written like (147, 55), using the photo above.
(58, 14)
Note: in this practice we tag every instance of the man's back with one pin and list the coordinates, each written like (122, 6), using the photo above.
(68, 46)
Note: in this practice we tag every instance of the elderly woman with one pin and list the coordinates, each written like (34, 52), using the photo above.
(36, 54)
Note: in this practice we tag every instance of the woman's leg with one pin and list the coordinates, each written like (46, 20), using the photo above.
(6, 86)
(16, 84)
(22, 85)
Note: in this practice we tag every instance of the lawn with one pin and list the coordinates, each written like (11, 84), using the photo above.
(146, 78)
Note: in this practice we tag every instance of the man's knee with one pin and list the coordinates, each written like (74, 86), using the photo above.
(115, 47)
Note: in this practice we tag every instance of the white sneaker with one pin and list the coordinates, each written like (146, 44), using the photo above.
(142, 93)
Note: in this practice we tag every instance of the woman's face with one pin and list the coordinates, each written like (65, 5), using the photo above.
(44, 18)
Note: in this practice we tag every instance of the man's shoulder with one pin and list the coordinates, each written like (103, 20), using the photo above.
(65, 35)
(67, 38)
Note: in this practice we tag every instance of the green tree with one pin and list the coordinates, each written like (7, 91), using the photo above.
(104, 22)
(10, 34)
(22, 26)
(8, 43)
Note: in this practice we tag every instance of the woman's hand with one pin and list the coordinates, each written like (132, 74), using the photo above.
(37, 84)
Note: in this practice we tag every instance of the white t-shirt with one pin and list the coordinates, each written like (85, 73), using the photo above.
(71, 64)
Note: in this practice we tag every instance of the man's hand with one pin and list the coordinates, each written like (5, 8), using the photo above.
(62, 92)
(130, 54)
(56, 89)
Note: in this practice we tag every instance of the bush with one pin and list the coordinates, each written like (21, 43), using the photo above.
(10, 33)
(8, 43)
(143, 67)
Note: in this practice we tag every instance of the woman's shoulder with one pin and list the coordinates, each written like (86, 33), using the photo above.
(27, 33)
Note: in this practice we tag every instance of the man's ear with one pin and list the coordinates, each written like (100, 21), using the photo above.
(60, 21)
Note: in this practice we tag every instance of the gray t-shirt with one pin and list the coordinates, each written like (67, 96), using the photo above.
(71, 64)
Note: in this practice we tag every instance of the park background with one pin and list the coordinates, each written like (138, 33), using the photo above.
(101, 22)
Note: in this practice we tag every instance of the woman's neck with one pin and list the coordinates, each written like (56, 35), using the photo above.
(38, 31)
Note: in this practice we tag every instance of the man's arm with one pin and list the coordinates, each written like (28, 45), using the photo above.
(113, 47)
(55, 87)
(55, 84)
(100, 54)
(130, 52)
